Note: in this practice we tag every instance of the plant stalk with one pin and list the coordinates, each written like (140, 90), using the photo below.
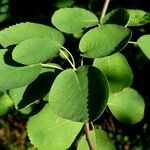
(88, 137)
(73, 61)
(131, 42)
(104, 10)
(72, 65)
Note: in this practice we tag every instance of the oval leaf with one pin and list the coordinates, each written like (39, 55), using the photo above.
(5, 104)
(138, 17)
(4, 7)
(117, 71)
(127, 106)
(79, 95)
(100, 140)
(73, 20)
(15, 77)
(104, 40)
(24, 31)
(144, 43)
(35, 51)
(47, 131)
(117, 16)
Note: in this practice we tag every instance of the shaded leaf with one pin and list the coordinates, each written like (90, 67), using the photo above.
(79, 95)
(127, 106)
(47, 131)
(34, 91)
(15, 77)
(24, 31)
(35, 51)
(4, 6)
(100, 140)
(63, 3)
(117, 71)
(73, 20)
(104, 40)
(138, 17)
(144, 43)
(117, 16)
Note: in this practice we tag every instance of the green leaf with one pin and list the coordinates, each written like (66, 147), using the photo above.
(104, 40)
(17, 95)
(5, 104)
(4, 6)
(35, 51)
(117, 16)
(127, 106)
(47, 131)
(79, 95)
(15, 77)
(144, 43)
(63, 3)
(36, 90)
(27, 110)
(20, 32)
(117, 71)
(73, 20)
(138, 17)
(100, 140)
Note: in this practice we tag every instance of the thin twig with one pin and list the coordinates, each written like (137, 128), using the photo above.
(51, 66)
(88, 138)
(104, 10)
(72, 65)
(82, 61)
(73, 61)
(131, 42)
